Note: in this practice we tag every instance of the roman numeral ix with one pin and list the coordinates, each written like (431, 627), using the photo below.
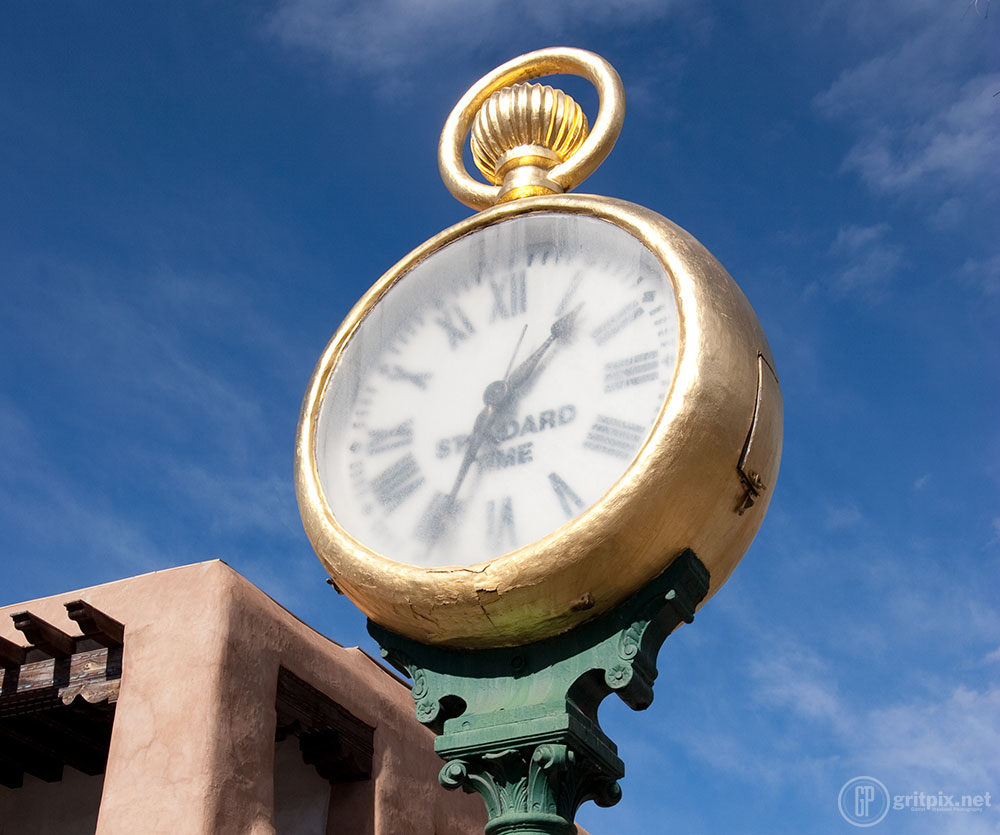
(382, 440)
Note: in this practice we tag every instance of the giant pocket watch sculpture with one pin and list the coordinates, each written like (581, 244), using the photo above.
(533, 413)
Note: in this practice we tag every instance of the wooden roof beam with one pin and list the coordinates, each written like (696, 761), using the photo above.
(43, 635)
(332, 739)
(11, 654)
(95, 624)
(333, 760)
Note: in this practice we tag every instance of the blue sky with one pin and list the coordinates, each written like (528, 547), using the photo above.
(193, 195)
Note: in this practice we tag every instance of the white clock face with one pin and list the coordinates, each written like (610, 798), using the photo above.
(497, 390)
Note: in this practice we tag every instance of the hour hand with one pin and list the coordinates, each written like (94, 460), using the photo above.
(562, 329)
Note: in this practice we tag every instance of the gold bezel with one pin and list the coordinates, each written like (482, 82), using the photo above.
(682, 490)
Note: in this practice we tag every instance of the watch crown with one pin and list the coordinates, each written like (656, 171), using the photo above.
(522, 131)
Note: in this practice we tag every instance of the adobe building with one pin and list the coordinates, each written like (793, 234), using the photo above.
(187, 701)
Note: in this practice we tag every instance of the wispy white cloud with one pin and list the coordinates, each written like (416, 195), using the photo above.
(919, 105)
(165, 345)
(727, 753)
(950, 148)
(842, 516)
(853, 239)
(163, 400)
(45, 505)
(797, 680)
(949, 744)
(882, 667)
(73, 521)
(966, 823)
(948, 215)
(236, 501)
(983, 274)
(869, 261)
(792, 696)
(388, 38)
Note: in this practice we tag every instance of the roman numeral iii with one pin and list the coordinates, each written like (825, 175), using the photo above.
(632, 371)
(614, 437)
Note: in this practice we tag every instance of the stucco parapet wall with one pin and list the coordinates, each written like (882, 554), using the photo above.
(193, 739)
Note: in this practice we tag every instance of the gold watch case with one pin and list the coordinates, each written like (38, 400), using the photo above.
(702, 480)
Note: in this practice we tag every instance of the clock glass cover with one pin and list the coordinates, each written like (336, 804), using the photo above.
(497, 390)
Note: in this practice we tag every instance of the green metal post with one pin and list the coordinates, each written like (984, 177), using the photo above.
(519, 724)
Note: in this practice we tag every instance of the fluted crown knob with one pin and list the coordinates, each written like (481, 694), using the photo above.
(526, 125)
